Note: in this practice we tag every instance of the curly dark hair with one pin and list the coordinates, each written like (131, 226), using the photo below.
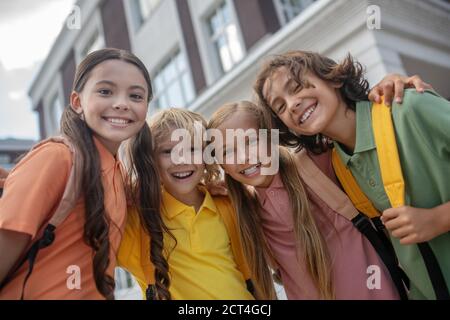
(349, 73)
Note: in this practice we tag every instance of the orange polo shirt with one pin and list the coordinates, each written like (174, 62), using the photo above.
(64, 270)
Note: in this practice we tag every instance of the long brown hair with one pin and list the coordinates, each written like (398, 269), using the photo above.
(309, 241)
(349, 73)
(146, 189)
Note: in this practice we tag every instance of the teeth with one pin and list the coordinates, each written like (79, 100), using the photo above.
(182, 174)
(308, 113)
(118, 121)
(251, 170)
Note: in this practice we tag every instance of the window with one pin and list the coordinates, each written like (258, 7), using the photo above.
(96, 42)
(142, 9)
(289, 9)
(5, 160)
(224, 36)
(173, 84)
(146, 7)
(53, 103)
(91, 38)
(56, 111)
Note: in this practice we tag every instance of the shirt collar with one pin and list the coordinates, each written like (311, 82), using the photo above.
(261, 193)
(177, 207)
(365, 140)
(107, 160)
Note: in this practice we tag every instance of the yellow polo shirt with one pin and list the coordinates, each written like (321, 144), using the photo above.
(201, 265)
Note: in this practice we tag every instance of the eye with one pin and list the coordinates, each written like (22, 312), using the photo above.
(105, 92)
(281, 108)
(166, 151)
(137, 97)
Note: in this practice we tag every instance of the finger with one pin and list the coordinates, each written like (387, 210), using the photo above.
(418, 84)
(393, 224)
(410, 239)
(375, 94)
(399, 90)
(388, 92)
(402, 232)
(218, 191)
(390, 213)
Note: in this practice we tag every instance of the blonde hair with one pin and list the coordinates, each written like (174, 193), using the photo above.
(164, 122)
(309, 240)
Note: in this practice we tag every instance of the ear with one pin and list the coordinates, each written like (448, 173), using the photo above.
(75, 102)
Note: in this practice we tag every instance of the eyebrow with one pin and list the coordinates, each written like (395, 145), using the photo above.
(114, 85)
(286, 85)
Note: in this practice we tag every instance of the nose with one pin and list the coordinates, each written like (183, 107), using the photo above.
(242, 155)
(294, 105)
(121, 107)
(121, 104)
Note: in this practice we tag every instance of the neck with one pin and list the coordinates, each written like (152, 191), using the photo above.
(267, 182)
(193, 199)
(343, 127)
(112, 147)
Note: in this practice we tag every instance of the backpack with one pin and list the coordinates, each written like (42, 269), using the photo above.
(394, 185)
(46, 234)
(371, 228)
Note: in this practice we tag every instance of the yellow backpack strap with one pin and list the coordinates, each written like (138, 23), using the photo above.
(230, 220)
(394, 185)
(376, 237)
(391, 171)
(351, 187)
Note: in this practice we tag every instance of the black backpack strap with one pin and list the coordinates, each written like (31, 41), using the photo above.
(363, 224)
(47, 239)
(434, 271)
(31, 254)
(68, 201)
(382, 232)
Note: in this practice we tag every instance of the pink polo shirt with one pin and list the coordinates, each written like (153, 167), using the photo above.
(351, 253)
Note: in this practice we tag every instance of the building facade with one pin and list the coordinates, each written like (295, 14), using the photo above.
(204, 53)
(11, 150)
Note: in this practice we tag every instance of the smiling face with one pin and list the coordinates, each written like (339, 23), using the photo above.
(182, 179)
(113, 102)
(246, 173)
(305, 110)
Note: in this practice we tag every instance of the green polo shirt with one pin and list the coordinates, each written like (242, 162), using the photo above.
(422, 128)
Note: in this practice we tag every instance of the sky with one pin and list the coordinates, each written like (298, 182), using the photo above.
(27, 32)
